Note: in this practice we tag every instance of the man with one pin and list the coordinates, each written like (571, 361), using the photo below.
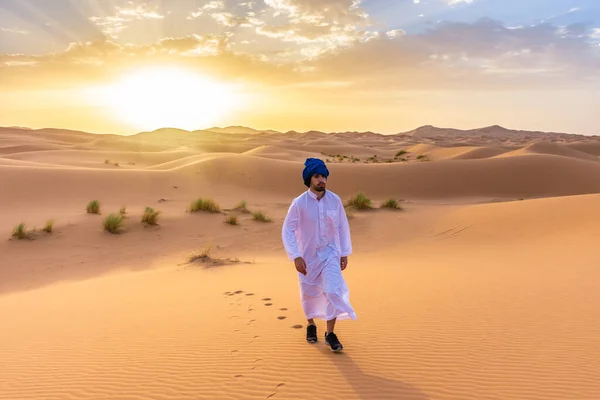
(316, 236)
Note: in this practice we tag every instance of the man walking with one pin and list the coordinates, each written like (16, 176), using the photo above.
(316, 237)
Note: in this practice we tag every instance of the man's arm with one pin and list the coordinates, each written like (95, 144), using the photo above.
(344, 231)
(288, 232)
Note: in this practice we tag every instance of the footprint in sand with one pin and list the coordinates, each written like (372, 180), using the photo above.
(281, 317)
(266, 299)
(238, 376)
(275, 392)
(283, 309)
(297, 326)
(249, 294)
(268, 304)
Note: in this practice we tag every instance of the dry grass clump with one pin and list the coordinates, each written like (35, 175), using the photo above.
(360, 202)
(260, 216)
(49, 226)
(391, 203)
(205, 258)
(93, 207)
(150, 216)
(231, 219)
(207, 205)
(20, 232)
(242, 207)
(349, 214)
(203, 255)
(113, 223)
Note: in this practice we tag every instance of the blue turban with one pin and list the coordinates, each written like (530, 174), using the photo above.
(313, 166)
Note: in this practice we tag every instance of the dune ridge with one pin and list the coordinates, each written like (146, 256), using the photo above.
(481, 284)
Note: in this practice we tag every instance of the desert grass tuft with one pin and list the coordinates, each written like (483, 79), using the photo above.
(349, 214)
(260, 216)
(208, 261)
(150, 216)
(391, 203)
(49, 226)
(123, 211)
(113, 223)
(208, 205)
(20, 232)
(231, 219)
(93, 207)
(360, 202)
(242, 207)
(203, 255)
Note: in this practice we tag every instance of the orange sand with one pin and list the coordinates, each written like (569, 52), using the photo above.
(485, 286)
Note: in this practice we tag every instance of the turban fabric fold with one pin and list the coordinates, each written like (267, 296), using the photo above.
(313, 166)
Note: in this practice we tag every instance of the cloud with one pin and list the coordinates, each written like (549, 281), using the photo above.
(211, 5)
(319, 11)
(395, 33)
(453, 2)
(102, 60)
(228, 19)
(248, 4)
(113, 25)
(480, 54)
(483, 54)
(317, 27)
(14, 30)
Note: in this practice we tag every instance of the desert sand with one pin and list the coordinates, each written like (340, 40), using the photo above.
(484, 284)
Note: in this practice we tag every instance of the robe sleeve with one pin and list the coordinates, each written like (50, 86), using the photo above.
(344, 232)
(288, 232)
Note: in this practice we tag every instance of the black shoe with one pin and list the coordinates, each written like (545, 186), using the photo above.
(311, 333)
(333, 342)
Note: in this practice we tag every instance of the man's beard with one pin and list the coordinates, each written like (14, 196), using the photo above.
(319, 188)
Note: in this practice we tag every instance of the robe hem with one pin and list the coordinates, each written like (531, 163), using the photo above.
(339, 317)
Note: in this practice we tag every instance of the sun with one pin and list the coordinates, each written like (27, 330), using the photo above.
(172, 97)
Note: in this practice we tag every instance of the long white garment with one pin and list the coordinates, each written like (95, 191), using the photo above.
(318, 231)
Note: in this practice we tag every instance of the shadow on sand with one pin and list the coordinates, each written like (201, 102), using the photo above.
(367, 386)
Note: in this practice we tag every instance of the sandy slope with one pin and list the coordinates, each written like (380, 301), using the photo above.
(459, 295)
(551, 148)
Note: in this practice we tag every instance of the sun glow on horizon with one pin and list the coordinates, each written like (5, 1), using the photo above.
(160, 97)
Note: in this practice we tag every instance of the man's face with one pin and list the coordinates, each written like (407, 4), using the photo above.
(318, 182)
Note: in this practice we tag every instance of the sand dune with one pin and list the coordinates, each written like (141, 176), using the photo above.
(590, 148)
(471, 153)
(482, 311)
(280, 153)
(23, 148)
(453, 152)
(526, 176)
(100, 159)
(514, 177)
(551, 148)
(484, 286)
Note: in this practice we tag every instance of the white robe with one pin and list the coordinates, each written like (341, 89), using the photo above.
(318, 231)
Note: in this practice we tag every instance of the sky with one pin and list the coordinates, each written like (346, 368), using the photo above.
(387, 66)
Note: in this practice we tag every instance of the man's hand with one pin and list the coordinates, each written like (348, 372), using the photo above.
(300, 265)
(344, 262)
